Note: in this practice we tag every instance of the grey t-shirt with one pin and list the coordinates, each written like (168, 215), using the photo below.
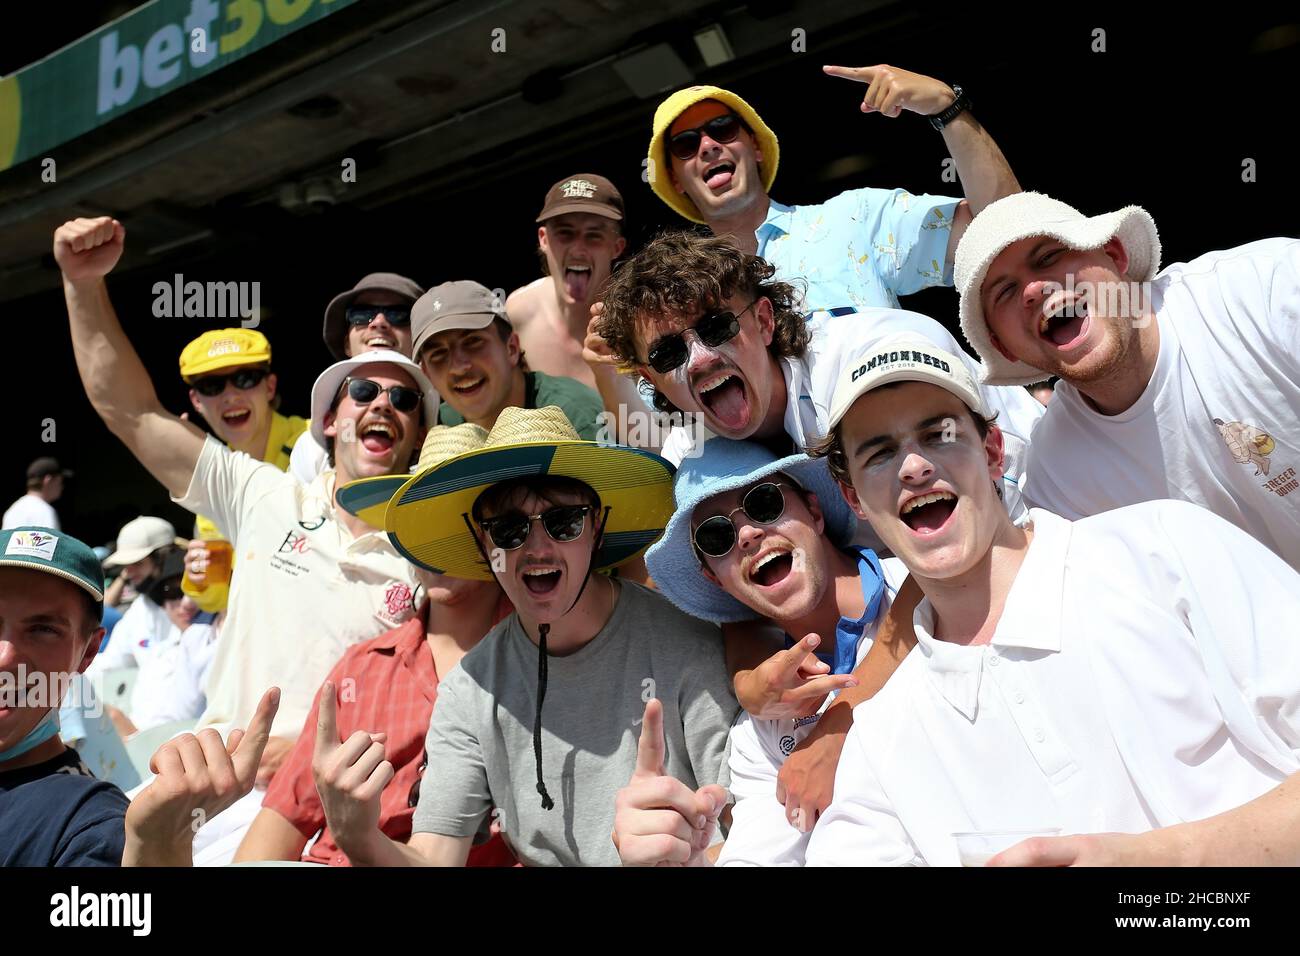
(480, 743)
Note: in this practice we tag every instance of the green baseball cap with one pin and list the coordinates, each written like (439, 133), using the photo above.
(44, 549)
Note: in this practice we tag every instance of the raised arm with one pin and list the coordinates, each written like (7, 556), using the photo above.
(115, 380)
(985, 174)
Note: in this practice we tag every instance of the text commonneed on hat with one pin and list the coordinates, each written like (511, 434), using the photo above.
(423, 513)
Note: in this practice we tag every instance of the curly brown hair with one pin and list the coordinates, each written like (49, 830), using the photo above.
(684, 273)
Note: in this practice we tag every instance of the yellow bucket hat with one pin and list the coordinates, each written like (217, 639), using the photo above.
(422, 513)
(224, 348)
(677, 104)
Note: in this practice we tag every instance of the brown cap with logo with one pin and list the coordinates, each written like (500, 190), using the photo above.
(585, 192)
(336, 322)
(453, 305)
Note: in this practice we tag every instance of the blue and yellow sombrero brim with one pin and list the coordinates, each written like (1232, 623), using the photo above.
(423, 517)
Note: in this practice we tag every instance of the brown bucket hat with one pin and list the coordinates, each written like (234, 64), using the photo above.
(335, 331)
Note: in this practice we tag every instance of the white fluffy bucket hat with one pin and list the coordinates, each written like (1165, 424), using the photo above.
(1020, 216)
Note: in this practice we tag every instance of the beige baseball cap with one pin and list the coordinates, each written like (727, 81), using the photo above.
(453, 305)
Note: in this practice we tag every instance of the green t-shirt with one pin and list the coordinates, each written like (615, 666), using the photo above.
(580, 404)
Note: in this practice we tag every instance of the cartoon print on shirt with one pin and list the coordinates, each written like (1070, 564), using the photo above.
(1247, 443)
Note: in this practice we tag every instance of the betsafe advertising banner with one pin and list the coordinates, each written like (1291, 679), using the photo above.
(134, 60)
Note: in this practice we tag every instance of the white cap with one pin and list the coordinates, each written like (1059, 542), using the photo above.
(902, 357)
(140, 538)
(331, 380)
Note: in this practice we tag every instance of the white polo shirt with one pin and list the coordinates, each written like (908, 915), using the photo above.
(303, 590)
(835, 342)
(1219, 422)
(144, 638)
(1144, 672)
(760, 834)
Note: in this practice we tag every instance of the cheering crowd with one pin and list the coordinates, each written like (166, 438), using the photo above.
(857, 593)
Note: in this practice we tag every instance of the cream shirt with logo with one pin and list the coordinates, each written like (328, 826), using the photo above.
(1218, 424)
(304, 588)
(1144, 672)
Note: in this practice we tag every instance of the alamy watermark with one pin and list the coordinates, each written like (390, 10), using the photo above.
(208, 300)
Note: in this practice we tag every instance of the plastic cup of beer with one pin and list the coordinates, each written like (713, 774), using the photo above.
(977, 847)
(220, 559)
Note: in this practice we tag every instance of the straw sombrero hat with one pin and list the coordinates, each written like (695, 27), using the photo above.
(424, 514)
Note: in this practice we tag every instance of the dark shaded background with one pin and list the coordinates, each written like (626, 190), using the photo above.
(1164, 118)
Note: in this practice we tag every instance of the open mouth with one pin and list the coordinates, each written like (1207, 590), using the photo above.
(1065, 324)
(378, 437)
(719, 176)
(927, 514)
(723, 396)
(541, 582)
(772, 568)
(237, 417)
(380, 342)
(469, 388)
(577, 281)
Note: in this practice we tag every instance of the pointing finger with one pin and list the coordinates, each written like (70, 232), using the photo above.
(650, 747)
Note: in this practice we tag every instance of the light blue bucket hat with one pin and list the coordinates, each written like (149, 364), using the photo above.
(725, 465)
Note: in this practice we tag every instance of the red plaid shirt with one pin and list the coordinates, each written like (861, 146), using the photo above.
(388, 684)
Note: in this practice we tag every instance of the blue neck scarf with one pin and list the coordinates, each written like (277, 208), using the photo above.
(848, 632)
(43, 731)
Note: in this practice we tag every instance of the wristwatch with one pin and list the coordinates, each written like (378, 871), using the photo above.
(960, 105)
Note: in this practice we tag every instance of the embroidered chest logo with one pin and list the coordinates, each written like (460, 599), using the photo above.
(398, 600)
(293, 544)
(1250, 445)
(787, 744)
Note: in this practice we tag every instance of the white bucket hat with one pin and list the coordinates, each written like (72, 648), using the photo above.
(1020, 216)
(330, 381)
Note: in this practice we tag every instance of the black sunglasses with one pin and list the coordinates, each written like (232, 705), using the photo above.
(361, 315)
(762, 504)
(713, 329)
(721, 129)
(243, 379)
(363, 392)
(510, 530)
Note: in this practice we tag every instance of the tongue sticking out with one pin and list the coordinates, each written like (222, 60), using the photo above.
(377, 443)
(542, 583)
(576, 285)
(719, 180)
(928, 519)
(728, 404)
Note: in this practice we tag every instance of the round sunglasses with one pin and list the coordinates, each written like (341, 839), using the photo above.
(361, 315)
(714, 329)
(563, 523)
(762, 504)
(401, 397)
(721, 129)
(243, 379)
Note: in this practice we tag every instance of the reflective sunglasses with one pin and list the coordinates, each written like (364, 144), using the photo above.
(401, 397)
(713, 329)
(721, 129)
(762, 504)
(361, 315)
(510, 530)
(243, 379)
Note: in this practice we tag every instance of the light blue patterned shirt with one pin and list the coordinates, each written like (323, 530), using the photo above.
(861, 249)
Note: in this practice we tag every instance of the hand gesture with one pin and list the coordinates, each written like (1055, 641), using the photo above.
(197, 778)
(658, 820)
(595, 350)
(790, 683)
(891, 90)
(87, 249)
(350, 775)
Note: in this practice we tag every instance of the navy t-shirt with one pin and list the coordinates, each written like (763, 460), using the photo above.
(57, 814)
